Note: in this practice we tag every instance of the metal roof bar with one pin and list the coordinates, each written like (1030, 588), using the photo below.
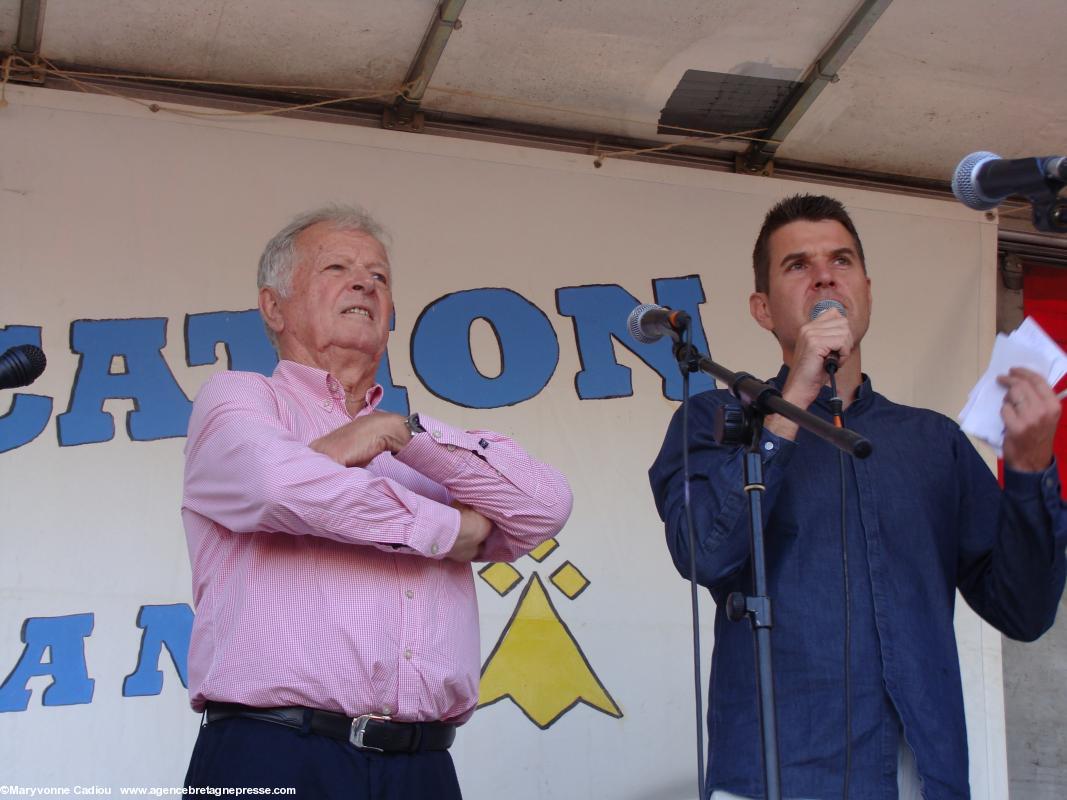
(31, 19)
(404, 112)
(822, 72)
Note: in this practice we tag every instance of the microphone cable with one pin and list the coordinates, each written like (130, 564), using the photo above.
(692, 567)
(839, 421)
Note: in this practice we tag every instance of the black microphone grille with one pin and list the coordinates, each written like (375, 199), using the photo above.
(826, 305)
(37, 360)
(23, 365)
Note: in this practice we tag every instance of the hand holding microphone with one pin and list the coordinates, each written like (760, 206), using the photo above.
(831, 361)
(820, 346)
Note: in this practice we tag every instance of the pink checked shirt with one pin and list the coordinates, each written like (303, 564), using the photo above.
(324, 586)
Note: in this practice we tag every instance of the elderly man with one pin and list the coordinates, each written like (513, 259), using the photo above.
(336, 647)
(863, 557)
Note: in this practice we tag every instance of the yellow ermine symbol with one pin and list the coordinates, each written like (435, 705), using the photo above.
(539, 665)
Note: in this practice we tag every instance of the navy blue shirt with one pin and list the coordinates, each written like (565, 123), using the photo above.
(923, 517)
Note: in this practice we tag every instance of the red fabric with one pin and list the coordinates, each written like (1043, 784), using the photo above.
(1045, 299)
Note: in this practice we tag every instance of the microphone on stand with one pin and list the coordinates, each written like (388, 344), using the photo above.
(650, 323)
(21, 366)
(983, 180)
(831, 361)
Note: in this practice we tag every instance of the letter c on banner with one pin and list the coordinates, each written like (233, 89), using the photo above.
(441, 348)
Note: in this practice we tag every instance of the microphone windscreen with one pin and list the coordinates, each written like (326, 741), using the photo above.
(21, 366)
(37, 360)
(826, 305)
(635, 323)
(964, 185)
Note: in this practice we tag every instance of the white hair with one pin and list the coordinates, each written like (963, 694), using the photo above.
(279, 259)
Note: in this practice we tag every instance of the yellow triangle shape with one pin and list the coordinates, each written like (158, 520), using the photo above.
(539, 665)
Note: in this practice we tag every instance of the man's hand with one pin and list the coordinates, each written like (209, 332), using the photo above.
(815, 341)
(356, 443)
(473, 530)
(807, 374)
(1031, 412)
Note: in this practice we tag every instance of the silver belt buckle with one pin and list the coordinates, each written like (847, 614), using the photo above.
(359, 730)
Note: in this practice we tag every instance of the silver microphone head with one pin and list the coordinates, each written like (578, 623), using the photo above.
(635, 323)
(964, 185)
(826, 305)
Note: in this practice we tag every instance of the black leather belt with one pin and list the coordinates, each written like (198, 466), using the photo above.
(368, 732)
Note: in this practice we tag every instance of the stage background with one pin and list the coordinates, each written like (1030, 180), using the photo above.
(118, 225)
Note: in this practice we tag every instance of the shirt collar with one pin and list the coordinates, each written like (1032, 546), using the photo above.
(864, 394)
(320, 383)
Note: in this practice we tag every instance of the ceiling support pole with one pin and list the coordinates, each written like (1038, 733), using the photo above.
(31, 21)
(757, 159)
(24, 66)
(405, 112)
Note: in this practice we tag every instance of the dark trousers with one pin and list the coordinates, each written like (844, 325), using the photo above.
(242, 752)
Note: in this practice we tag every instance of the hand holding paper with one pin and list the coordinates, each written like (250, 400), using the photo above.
(1014, 410)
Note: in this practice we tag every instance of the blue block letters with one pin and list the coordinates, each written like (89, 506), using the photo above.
(64, 638)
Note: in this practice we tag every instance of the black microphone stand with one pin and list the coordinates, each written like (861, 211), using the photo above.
(743, 425)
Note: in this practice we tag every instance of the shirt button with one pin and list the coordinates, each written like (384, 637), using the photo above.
(408, 593)
(387, 710)
(407, 653)
(437, 434)
(451, 448)
(768, 445)
(327, 404)
(433, 549)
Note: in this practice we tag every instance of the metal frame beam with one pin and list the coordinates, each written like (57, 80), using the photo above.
(31, 23)
(821, 73)
(405, 113)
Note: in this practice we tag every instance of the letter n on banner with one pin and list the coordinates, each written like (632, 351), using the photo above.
(168, 626)
(600, 313)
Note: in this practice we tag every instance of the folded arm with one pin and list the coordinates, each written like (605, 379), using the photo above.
(246, 471)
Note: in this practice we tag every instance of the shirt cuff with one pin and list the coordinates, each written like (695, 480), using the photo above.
(440, 453)
(772, 446)
(435, 530)
(1044, 484)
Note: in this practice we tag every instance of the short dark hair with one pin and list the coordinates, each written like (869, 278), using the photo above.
(809, 207)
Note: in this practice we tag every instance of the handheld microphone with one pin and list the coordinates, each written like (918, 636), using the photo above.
(983, 180)
(21, 366)
(650, 323)
(831, 361)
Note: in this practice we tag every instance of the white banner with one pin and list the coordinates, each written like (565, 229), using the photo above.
(129, 246)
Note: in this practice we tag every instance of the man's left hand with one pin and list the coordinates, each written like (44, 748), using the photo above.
(1031, 412)
(358, 442)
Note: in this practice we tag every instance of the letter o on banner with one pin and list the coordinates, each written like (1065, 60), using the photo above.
(441, 348)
